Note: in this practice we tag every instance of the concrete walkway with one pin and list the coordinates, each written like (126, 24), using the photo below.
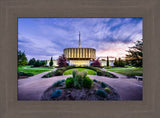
(33, 87)
(120, 76)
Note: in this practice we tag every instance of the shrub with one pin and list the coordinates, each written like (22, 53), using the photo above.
(63, 80)
(79, 76)
(77, 84)
(78, 80)
(48, 75)
(58, 72)
(110, 75)
(84, 73)
(99, 82)
(20, 73)
(56, 93)
(74, 72)
(95, 80)
(101, 93)
(29, 74)
(108, 90)
(108, 67)
(103, 85)
(58, 83)
(87, 82)
(99, 72)
(69, 82)
(25, 74)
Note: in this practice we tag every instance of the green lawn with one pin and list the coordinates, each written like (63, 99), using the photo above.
(89, 72)
(127, 71)
(37, 70)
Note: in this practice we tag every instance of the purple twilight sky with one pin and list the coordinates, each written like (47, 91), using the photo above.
(42, 38)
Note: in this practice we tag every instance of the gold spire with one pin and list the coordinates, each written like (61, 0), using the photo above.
(79, 40)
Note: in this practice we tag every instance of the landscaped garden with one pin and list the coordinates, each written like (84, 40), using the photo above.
(91, 70)
(25, 71)
(131, 71)
(80, 87)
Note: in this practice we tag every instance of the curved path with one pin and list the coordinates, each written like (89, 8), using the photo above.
(33, 87)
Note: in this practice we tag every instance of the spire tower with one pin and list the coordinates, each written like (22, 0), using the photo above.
(79, 40)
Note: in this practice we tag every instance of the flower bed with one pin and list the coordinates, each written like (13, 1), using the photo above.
(80, 87)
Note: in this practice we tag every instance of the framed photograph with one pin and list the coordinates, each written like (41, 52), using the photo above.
(79, 59)
(56, 62)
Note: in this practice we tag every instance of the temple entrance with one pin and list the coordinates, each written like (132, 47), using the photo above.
(80, 62)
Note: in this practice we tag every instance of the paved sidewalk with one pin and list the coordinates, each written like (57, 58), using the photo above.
(33, 87)
(120, 76)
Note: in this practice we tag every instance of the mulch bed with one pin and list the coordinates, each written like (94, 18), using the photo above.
(80, 94)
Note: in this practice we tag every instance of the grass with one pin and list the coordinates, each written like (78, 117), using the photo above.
(127, 70)
(89, 71)
(37, 70)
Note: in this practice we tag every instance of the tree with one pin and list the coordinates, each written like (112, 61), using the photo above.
(115, 63)
(32, 61)
(43, 62)
(127, 62)
(37, 63)
(51, 62)
(96, 63)
(135, 54)
(62, 61)
(107, 61)
(120, 63)
(22, 59)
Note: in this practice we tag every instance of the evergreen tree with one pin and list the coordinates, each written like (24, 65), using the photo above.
(42, 62)
(22, 59)
(119, 62)
(37, 63)
(135, 54)
(127, 62)
(51, 62)
(32, 61)
(115, 62)
(107, 61)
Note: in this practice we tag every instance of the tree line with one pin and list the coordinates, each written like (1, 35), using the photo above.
(22, 60)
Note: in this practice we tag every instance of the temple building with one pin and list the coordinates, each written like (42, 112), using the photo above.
(80, 56)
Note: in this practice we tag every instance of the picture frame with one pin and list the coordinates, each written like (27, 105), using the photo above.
(10, 107)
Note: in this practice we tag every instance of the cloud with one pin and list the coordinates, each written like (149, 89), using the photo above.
(45, 37)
